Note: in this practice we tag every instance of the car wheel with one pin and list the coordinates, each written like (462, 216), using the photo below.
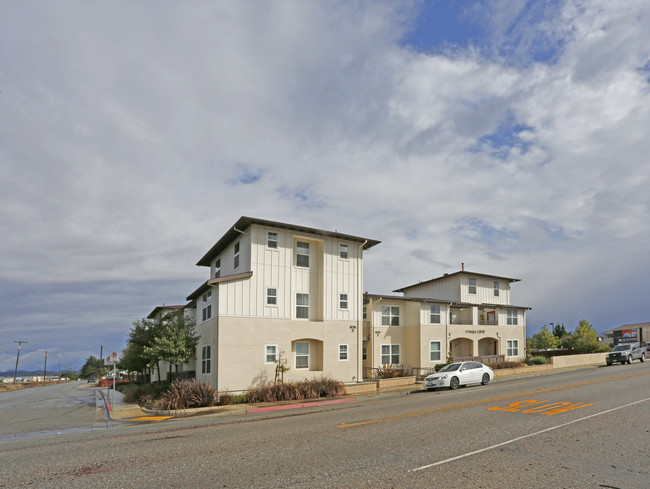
(642, 358)
(485, 379)
(453, 383)
(629, 359)
(609, 364)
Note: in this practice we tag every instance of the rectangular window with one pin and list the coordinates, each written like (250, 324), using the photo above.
(472, 285)
(365, 353)
(272, 240)
(217, 268)
(302, 355)
(271, 354)
(365, 312)
(236, 260)
(512, 317)
(512, 348)
(390, 355)
(389, 316)
(271, 296)
(302, 254)
(206, 357)
(343, 352)
(302, 306)
(496, 289)
(206, 305)
(434, 314)
(343, 301)
(434, 351)
(343, 251)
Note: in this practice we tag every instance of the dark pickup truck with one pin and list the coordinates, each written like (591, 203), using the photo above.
(625, 353)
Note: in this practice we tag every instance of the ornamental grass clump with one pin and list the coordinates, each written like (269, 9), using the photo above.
(296, 391)
(538, 360)
(187, 394)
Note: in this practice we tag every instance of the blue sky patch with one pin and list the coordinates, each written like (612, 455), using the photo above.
(506, 137)
(245, 175)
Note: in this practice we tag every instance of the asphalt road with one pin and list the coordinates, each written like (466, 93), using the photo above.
(582, 428)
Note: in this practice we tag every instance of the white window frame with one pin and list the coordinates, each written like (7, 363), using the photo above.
(434, 316)
(301, 355)
(496, 289)
(217, 268)
(471, 286)
(344, 352)
(206, 305)
(391, 354)
(270, 354)
(206, 359)
(302, 254)
(512, 348)
(271, 296)
(432, 351)
(343, 301)
(302, 306)
(343, 251)
(236, 256)
(272, 240)
(512, 317)
(392, 318)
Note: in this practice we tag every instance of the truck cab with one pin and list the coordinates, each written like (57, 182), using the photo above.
(625, 353)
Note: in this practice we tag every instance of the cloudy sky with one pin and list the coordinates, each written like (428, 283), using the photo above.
(509, 135)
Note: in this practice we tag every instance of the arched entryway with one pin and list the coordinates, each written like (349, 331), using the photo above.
(461, 347)
(488, 346)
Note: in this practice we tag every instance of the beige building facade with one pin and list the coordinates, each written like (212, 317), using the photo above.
(280, 294)
(462, 315)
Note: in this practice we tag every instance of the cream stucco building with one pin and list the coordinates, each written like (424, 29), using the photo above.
(280, 293)
(465, 314)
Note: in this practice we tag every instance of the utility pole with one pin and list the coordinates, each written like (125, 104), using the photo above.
(20, 342)
(45, 368)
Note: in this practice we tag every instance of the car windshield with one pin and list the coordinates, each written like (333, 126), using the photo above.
(622, 347)
(450, 368)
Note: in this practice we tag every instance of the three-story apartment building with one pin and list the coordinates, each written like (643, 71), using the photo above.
(280, 294)
(462, 314)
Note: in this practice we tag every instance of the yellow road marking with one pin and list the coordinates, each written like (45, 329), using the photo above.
(540, 407)
(474, 403)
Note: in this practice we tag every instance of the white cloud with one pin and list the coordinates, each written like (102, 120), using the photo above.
(133, 135)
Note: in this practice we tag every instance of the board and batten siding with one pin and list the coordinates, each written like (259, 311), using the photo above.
(447, 289)
(327, 276)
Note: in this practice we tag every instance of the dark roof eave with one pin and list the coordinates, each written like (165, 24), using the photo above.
(245, 222)
(447, 275)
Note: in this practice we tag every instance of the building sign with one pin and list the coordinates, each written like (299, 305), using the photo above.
(474, 331)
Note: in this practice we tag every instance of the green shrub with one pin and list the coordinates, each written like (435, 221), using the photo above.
(538, 360)
(143, 394)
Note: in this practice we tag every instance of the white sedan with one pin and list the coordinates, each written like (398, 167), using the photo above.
(460, 373)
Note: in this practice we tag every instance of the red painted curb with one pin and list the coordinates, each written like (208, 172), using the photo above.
(295, 406)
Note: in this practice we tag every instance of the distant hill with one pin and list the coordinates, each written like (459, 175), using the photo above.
(27, 373)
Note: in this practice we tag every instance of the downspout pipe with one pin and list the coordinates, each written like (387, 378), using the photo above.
(359, 309)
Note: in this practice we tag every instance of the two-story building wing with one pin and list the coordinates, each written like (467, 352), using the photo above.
(280, 293)
(464, 314)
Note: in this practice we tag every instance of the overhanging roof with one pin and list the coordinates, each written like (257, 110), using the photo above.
(245, 222)
(462, 272)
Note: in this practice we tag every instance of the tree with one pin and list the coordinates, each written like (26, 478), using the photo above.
(174, 340)
(141, 336)
(93, 367)
(585, 338)
(544, 340)
(559, 331)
